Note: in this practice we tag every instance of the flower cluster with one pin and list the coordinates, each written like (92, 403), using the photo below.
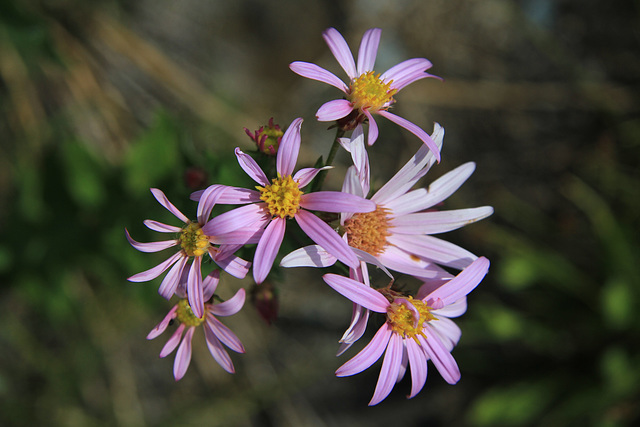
(392, 229)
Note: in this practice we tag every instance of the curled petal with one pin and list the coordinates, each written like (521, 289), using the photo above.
(414, 129)
(194, 288)
(208, 199)
(304, 176)
(154, 272)
(231, 196)
(162, 199)
(373, 128)
(336, 201)
(160, 227)
(209, 284)
(334, 110)
(230, 306)
(152, 246)
(172, 342)
(251, 167)
(162, 326)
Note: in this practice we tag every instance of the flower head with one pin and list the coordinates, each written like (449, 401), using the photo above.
(274, 202)
(193, 244)
(267, 138)
(215, 332)
(367, 92)
(416, 329)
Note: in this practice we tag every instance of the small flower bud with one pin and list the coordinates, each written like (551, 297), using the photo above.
(267, 138)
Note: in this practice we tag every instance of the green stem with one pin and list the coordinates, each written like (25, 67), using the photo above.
(319, 180)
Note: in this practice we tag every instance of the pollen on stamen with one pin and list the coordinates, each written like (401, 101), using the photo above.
(407, 322)
(368, 231)
(282, 197)
(369, 92)
(193, 241)
(185, 315)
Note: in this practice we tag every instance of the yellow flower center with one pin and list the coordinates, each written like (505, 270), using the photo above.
(272, 142)
(368, 231)
(282, 196)
(193, 241)
(407, 322)
(186, 316)
(369, 92)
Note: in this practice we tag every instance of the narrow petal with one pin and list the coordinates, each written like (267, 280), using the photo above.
(448, 332)
(438, 222)
(251, 167)
(152, 246)
(183, 356)
(224, 334)
(194, 287)
(418, 366)
(397, 259)
(162, 199)
(267, 249)
(370, 259)
(210, 284)
(242, 217)
(406, 72)
(160, 227)
(208, 199)
(304, 176)
(359, 319)
(445, 186)
(231, 196)
(368, 355)
(289, 147)
(154, 272)
(334, 110)
(368, 50)
(336, 201)
(340, 49)
(440, 356)
(322, 234)
(373, 128)
(162, 326)
(172, 279)
(456, 309)
(414, 129)
(463, 283)
(234, 265)
(357, 292)
(230, 306)
(389, 371)
(218, 352)
(407, 203)
(309, 256)
(241, 237)
(172, 342)
(430, 248)
(314, 72)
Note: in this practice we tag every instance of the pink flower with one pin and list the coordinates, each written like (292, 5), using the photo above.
(398, 233)
(215, 332)
(416, 329)
(192, 244)
(273, 203)
(367, 93)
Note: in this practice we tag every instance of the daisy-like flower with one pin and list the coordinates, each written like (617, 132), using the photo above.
(215, 332)
(398, 233)
(367, 92)
(193, 244)
(281, 199)
(416, 329)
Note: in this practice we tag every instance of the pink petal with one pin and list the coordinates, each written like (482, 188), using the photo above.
(154, 272)
(368, 50)
(232, 196)
(162, 199)
(432, 249)
(267, 249)
(242, 217)
(241, 237)
(441, 358)
(208, 199)
(448, 332)
(304, 176)
(314, 72)
(373, 128)
(407, 203)
(251, 168)
(162, 326)
(341, 51)
(172, 279)
(418, 366)
(322, 234)
(162, 228)
(172, 342)
(224, 334)
(218, 352)
(407, 72)
(336, 201)
(370, 259)
(194, 288)
(183, 356)
(389, 371)
(417, 131)
(230, 306)
(210, 284)
(438, 222)
(368, 355)
(446, 185)
(463, 283)
(152, 246)
(397, 259)
(456, 309)
(309, 256)
(334, 110)
(235, 266)
(289, 147)
(357, 292)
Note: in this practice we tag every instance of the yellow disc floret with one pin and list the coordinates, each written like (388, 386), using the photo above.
(185, 315)
(282, 196)
(368, 92)
(407, 322)
(193, 241)
(368, 231)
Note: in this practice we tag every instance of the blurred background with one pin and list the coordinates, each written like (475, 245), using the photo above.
(103, 100)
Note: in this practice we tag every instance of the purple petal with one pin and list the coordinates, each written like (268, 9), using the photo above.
(218, 352)
(194, 288)
(162, 199)
(438, 222)
(334, 110)
(418, 366)
(183, 356)
(341, 51)
(232, 196)
(322, 234)
(160, 227)
(224, 334)
(357, 292)
(463, 283)
(370, 259)
(251, 167)
(368, 50)
(304, 176)
(230, 306)
(208, 199)
(417, 131)
(389, 371)
(267, 249)
(397, 259)
(336, 201)
(309, 256)
(433, 249)
(162, 326)
(446, 185)
(209, 284)
(242, 217)
(456, 309)
(368, 355)
(235, 266)
(172, 342)
(448, 332)
(314, 72)
(407, 203)
(241, 237)
(359, 319)
(172, 279)
(289, 147)
(441, 358)
(373, 128)
(152, 246)
(154, 272)
(406, 72)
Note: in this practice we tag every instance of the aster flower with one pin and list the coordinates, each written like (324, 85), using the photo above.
(398, 233)
(416, 329)
(273, 203)
(215, 332)
(193, 244)
(367, 92)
